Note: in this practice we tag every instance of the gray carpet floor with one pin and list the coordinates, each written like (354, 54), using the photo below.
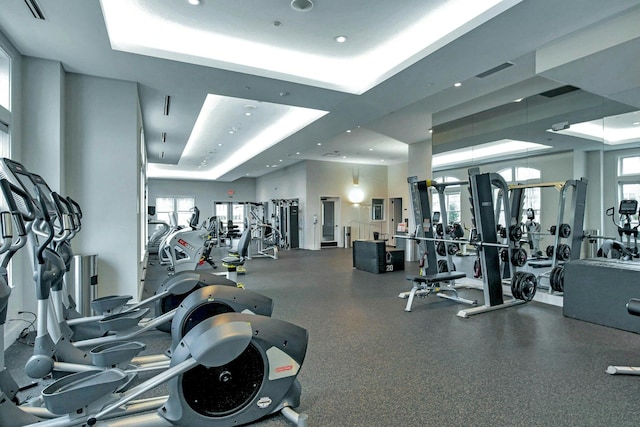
(369, 363)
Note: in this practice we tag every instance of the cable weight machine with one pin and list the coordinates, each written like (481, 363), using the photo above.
(286, 219)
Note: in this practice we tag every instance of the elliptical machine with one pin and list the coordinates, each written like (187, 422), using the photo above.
(246, 365)
(626, 209)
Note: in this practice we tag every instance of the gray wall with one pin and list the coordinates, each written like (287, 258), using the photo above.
(102, 174)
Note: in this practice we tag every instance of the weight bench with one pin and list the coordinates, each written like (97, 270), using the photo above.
(426, 285)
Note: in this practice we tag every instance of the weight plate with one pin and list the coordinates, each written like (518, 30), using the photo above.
(564, 231)
(561, 280)
(553, 278)
(439, 229)
(552, 230)
(441, 249)
(453, 248)
(515, 285)
(563, 253)
(442, 266)
(515, 233)
(549, 251)
(518, 257)
(527, 286)
(504, 255)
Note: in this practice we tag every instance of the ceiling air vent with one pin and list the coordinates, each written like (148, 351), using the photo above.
(331, 154)
(495, 70)
(35, 9)
(559, 91)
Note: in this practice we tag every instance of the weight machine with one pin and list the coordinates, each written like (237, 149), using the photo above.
(285, 217)
(266, 236)
(484, 213)
(568, 235)
(625, 210)
(435, 276)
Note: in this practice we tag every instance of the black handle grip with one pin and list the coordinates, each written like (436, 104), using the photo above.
(8, 190)
(633, 306)
(76, 207)
(47, 221)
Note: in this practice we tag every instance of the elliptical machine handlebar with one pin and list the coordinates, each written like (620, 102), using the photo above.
(45, 219)
(77, 211)
(11, 191)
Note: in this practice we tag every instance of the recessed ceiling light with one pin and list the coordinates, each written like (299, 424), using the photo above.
(430, 130)
(340, 39)
(248, 113)
(457, 84)
(319, 143)
(280, 160)
(344, 157)
(382, 160)
(301, 5)
(636, 123)
(268, 166)
(231, 132)
(518, 100)
(194, 2)
(348, 130)
(370, 149)
(297, 153)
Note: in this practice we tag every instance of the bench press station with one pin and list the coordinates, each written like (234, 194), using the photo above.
(424, 286)
(436, 277)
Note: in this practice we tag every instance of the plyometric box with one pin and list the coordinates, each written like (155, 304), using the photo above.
(597, 290)
(373, 256)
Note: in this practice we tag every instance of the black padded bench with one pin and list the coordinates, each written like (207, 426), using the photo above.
(426, 285)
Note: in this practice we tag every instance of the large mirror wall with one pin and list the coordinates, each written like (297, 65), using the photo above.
(552, 136)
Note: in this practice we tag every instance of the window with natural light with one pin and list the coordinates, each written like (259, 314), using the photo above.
(451, 197)
(629, 165)
(182, 206)
(5, 80)
(532, 196)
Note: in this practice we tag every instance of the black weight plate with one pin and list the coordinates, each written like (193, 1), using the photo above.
(563, 253)
(453, 248)
(549, 251)
(564, 230)
(518, 257)
(442, 266)
(515, 284)
(504, 254)
(515, 233)
(527, 287)
(441, 249)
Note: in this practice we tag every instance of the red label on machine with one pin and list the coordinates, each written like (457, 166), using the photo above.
(183, 243)
(284, 368)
